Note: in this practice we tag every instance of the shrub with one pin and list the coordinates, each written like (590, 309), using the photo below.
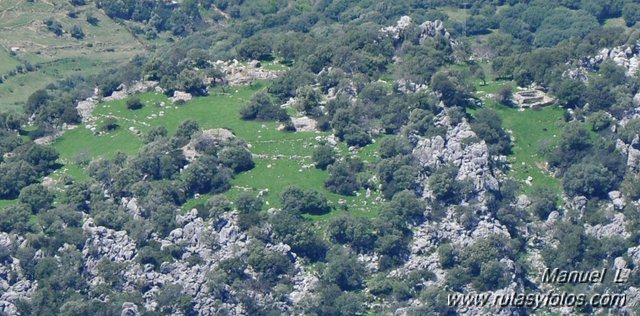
(109, 124)
(134, 103)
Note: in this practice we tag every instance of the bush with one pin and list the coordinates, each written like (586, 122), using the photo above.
(323, 156)
(590, 180)
(109, 124)
(54, 26)
(134, 103)
(342, 179)
(249, 208)
(505, 95)
(92, 19)
(295, 199)
(262, 108)
(237, 158)
(77, 32)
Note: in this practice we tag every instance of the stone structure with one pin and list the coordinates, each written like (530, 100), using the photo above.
(532, 98)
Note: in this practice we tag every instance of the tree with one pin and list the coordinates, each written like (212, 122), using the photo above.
(488, 126)
(505, 95)
(447, 255)
(308, 101)
(355, 231)
(355, 135)
(261, 107)
(37, 197)
(492, 276)
(588, 179)
(163, 218)
(295, 199)
(453, 88)
(37, 100)
(237, 158)
(571, 93)
(270, 264)
(187, 128)
(134, 103)
(203, 176)
(444, 185)
(323, 156)
(406, 205)
(254, 48)
(158, 160)
(394, 146)
(575, 144)
(15, 218)
(631, 13)
(630, 131)
(191, 81)
(216, 205)
(344, 270)
(599, 121)
(543, 201)
(342, 179)
(54, 26)
(155, 133)
(397, 175)
(41, 157)
(249, 208)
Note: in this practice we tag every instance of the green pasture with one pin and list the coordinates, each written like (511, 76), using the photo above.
(530, 128)
(282, 158)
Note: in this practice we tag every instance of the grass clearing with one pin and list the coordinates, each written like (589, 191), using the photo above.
(529, 129)
(282, 158)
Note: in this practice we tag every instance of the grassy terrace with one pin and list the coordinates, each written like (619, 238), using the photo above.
(282, 158)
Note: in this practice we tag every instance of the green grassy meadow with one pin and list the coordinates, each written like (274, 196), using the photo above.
(282, 158)
(529, 129)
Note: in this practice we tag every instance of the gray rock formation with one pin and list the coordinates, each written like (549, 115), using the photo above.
(210, 241)
(179, 96)
(210, 137)
(125, 91)
(427, 30)
(13, 283)
(616, 228)
(625, 56)
(472, 159)
(433, 29)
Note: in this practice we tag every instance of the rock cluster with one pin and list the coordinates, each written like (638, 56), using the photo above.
(625, 56)
(215, 136)
(210, 241)
(433, 29)
(395, 31)
(304, 124)
(239, 74)
(632, 151)
(123, 91)
(472, 160)
(13, 283)
(616, 228)
(180, 97)
(427, 30)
